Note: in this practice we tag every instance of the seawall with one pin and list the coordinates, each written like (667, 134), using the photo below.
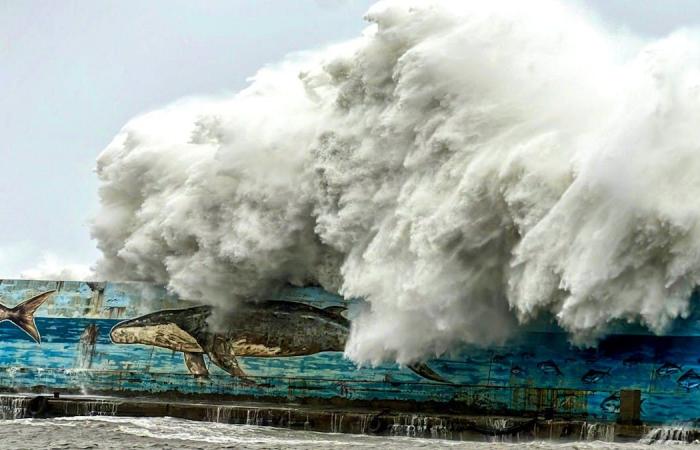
(164, 349)
(333, 420)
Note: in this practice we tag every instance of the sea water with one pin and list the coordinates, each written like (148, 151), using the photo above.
(169, 433)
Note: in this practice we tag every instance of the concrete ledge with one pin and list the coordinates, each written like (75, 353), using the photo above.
(331, 419)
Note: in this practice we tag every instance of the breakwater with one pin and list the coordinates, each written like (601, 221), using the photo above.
(131, 340)
(337, 420)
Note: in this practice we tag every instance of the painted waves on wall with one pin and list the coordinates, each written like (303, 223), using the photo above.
(120, 338)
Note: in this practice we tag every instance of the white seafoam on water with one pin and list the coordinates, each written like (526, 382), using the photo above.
(172, 433)
(461, 166)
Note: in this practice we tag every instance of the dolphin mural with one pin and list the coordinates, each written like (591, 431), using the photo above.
(22, 315)
(267, 329)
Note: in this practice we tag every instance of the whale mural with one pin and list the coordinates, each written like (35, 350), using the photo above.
(271, 329)
(137, 339)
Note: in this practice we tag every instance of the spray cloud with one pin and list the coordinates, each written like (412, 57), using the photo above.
(462, 167)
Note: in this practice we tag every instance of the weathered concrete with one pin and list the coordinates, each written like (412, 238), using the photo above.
(630, 406)
(331, 419)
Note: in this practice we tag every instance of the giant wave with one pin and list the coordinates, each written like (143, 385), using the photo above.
(462, 167)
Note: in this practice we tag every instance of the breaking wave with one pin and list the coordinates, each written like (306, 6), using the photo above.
(462, 167)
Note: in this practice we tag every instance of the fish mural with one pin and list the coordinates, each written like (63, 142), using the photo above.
(667, 369)
(689, 380)
(611, 403)
(107, 338)
(594, 376)
(271, 329)
(22, 315)
(549, 367)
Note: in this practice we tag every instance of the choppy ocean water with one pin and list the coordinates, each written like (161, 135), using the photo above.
(170, 433)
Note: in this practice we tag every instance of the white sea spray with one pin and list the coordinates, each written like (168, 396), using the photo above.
(462, 166)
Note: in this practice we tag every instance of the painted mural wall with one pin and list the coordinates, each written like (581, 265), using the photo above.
(132, 338)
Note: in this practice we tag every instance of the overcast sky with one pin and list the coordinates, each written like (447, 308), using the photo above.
(73, 72)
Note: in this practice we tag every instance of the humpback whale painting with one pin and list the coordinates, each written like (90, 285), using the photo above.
(270, 329)
(104, 338)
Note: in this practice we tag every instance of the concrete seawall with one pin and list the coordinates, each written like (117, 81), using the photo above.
(331, 419)
(538, 379)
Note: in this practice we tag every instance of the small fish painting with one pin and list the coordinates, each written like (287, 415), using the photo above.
(549, 367)
(611, 404)
(594, 376)
(689, 380)
(667, 369)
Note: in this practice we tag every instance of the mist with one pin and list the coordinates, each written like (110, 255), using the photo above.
(464, 168)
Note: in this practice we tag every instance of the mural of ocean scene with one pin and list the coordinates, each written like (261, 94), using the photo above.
(136, 339)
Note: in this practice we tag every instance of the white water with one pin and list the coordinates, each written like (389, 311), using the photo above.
(463, 166)
(670, 434)
(12, 407)
(140, 433)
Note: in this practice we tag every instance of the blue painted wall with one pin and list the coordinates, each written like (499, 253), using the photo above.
(539, 369)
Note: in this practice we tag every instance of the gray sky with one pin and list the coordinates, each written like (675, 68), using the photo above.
(73, 72)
